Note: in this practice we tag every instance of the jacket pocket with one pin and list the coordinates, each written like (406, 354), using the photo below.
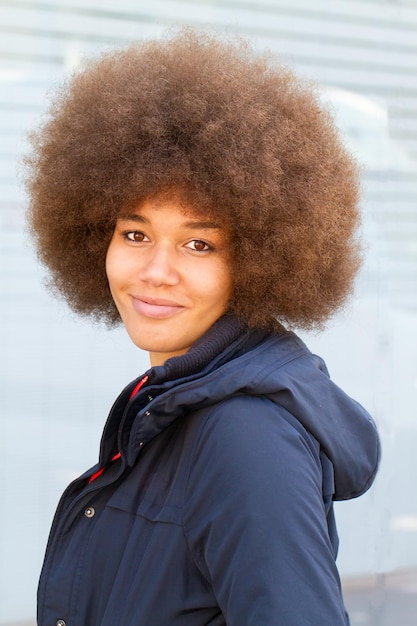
(154, 505)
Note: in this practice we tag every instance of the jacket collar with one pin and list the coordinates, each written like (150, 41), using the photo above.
(134, 420)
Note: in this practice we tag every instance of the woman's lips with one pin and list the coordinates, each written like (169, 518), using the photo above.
(157, 309)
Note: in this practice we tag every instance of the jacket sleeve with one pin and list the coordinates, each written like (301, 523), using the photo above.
(255, 519)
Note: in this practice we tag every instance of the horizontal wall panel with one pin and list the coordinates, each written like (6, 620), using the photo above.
(73, 25)
(12, 120)
(385, 12)
(405, 187)
(260, 23)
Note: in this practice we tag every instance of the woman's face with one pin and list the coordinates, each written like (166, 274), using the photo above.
(169, 276)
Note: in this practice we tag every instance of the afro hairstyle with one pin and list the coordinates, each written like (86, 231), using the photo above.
(230, 131)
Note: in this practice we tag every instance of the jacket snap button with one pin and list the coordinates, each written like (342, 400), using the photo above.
(147, 413)
(61, 622)
(89, 512)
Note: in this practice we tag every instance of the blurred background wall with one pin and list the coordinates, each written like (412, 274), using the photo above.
(59, 375)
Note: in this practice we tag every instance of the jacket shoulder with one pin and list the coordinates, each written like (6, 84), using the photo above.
(254, 516)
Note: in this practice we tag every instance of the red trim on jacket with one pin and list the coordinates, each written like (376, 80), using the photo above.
(118, 455)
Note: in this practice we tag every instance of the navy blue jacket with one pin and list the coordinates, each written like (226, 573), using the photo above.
(219, 509)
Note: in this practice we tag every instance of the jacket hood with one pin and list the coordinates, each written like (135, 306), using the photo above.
(281, 368)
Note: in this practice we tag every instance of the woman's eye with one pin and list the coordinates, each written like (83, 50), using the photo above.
(198, 245)
(135, 235)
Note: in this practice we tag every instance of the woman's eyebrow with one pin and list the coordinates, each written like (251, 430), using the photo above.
(202, 225)
(133, 217)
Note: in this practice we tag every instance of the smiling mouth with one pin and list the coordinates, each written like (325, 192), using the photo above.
(156, 309)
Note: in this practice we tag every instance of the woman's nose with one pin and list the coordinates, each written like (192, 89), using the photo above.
(159, 267)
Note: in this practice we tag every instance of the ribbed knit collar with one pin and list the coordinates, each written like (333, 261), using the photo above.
(219, 336)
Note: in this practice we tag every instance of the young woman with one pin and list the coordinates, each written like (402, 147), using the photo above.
(199, 193)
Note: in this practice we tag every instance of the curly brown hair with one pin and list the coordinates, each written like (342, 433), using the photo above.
(231, 131)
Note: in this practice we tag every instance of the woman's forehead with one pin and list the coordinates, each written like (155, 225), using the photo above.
(193, 212)
(151, 210)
